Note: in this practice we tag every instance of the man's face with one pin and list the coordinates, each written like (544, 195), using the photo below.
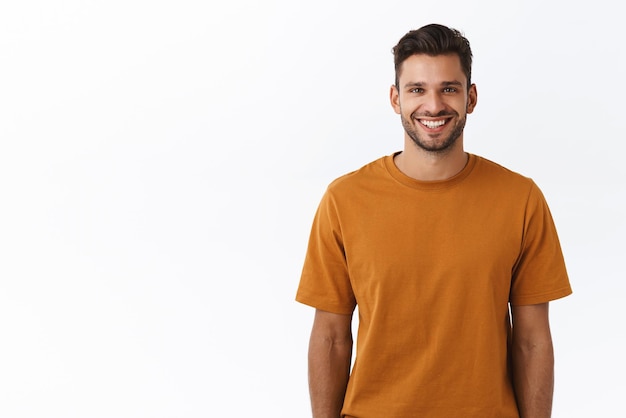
(432, 100)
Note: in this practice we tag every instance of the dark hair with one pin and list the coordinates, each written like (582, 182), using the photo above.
(434, 40)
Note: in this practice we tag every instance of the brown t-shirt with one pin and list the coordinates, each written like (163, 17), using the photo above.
(432, 267)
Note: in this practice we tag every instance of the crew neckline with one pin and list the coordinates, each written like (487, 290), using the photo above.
(429, 185)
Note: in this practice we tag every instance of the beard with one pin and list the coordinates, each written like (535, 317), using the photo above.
(439, 145)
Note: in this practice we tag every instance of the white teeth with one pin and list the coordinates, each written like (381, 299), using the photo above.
(432, 124)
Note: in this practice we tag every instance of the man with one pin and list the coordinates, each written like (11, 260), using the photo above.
(450, 258)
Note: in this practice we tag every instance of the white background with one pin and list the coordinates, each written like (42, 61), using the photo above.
(161, 162)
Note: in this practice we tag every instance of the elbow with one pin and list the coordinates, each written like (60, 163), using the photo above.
(533, 343)
(330, 346)
(530, 351)
(335, 343)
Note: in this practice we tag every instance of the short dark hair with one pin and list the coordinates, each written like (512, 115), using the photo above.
(434, 40)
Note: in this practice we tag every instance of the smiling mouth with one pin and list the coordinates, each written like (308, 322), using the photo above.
(433, 124)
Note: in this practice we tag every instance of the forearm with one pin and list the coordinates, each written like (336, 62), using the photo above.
(329, 369)
(533, 371)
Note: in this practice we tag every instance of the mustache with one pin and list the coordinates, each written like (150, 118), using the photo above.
(443, 113)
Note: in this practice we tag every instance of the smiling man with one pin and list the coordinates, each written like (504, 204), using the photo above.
(451, 259)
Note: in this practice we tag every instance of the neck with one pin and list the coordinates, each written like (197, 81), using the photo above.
(431, 166)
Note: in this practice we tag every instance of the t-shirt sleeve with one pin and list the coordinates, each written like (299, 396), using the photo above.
(540, 274)
(325, 282)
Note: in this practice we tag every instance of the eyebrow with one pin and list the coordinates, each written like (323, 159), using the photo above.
(443, 84)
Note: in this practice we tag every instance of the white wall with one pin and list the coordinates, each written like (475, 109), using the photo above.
(160, 164)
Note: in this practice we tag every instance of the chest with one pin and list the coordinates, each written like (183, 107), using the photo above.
(415, 246)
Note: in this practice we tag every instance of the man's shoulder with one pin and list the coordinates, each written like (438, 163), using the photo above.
(497, 171)
(365, 174)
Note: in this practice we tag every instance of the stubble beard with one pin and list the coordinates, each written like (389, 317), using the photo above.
(436, 147)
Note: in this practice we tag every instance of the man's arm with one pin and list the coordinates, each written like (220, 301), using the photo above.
(330, 355)
(533, 360)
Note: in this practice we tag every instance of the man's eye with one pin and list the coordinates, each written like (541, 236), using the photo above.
(449, 90)
(417, 90)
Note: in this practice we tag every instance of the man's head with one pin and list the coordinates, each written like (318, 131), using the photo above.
(434, 40)
(433, 92)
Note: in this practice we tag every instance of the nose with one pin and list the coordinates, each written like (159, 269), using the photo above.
(433, 102)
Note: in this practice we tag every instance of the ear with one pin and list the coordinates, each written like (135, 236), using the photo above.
(394, 98)
(472, 98)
